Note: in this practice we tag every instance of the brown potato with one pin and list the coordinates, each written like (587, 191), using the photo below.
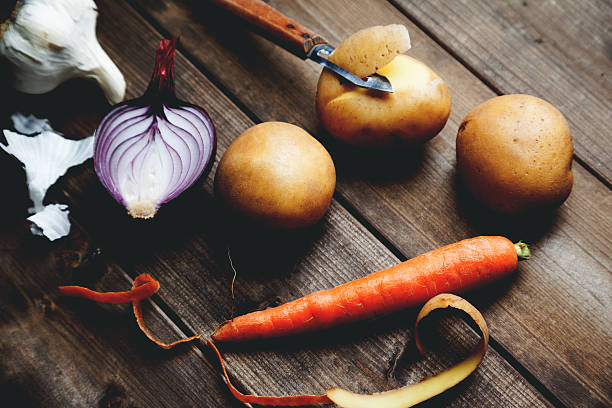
(514, 153)
(276, 175)
(413, 114)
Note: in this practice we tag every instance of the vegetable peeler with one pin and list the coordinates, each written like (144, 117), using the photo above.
(296, 39)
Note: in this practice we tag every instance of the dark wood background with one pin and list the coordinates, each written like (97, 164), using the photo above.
(550, 324)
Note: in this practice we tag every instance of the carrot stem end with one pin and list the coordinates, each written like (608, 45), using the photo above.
(522, 251)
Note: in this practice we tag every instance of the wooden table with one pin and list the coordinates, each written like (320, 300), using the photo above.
(551, 325)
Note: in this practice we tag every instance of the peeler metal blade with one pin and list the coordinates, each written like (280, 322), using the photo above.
(319, 54)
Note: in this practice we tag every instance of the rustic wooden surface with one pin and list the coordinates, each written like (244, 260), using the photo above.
(550, 325)
(558, 50)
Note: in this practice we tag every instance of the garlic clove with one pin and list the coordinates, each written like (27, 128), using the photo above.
(106, 74)
(52, 222)
(46, 157)
(50, 41)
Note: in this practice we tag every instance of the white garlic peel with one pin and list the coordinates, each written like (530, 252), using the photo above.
(29, 125)
(51, 41)
(45, 157)
(52, 222)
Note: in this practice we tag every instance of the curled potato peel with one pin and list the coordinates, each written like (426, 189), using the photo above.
(403, 397)
(411, 395)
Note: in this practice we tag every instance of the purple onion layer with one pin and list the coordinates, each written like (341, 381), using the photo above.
(149, 150)
(145, 159)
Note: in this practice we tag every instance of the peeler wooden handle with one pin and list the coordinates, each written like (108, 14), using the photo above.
(274, 25)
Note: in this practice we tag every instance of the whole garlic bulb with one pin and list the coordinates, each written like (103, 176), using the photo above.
(50, 41)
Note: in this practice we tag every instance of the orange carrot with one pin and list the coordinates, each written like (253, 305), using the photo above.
(454, 268)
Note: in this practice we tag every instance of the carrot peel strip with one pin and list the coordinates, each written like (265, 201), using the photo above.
(144, 287)
(285, 401)
(139, 319)
(411, 395)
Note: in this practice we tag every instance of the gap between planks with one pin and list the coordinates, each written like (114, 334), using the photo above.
(354, 212)
(482, 78)
(182, 329)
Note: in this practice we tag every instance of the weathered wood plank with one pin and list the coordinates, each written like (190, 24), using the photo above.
(185, 247)
(59, 352)
(417, 206)
(557, 50)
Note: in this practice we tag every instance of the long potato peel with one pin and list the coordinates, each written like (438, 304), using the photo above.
(411, 395)
(404, 397)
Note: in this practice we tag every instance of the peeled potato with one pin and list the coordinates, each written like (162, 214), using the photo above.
(514, 153)
(276, 175)
(416, 111)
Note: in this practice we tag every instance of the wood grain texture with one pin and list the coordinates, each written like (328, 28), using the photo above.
(185, 248)
(557, 50)
(61, 352)
(414, 202)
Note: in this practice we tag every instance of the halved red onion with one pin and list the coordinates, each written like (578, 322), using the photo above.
(149, 150)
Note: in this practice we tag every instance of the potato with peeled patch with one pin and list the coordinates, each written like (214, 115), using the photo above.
(514, 154)
(276, 175)
(415, 112)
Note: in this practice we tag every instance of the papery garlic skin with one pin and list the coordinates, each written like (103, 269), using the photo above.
(46, 157)
(52, 222)
(51, 41)
(29, 125)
